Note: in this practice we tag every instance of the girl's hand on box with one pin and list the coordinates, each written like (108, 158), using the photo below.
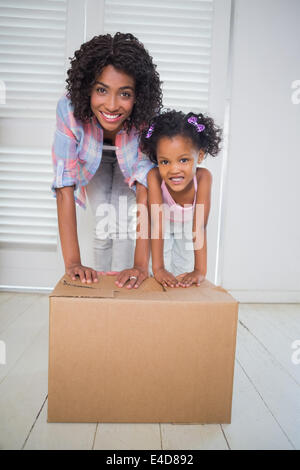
(135, 276)
(188, 279)
(83, 272)
(165, 278)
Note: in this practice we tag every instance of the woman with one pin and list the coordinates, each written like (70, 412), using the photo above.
(113, 92)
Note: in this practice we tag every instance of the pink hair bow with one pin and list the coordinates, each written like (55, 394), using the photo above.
(150, 130)
(193, 120)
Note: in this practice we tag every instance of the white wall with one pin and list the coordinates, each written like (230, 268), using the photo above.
(261, 232)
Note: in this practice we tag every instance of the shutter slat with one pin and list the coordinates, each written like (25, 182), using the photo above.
(165, 32)
(35, 231)
(21, 40)
(116, 12)
(34, 186)
(193, 69)
(32, 219)
(46, 5)
(33, 33)
(24, 176)
(202, 63)
(197, 26)
(32, 24)
(32, 212)
(6, 221)
(9, 157)
(168, 5)
(32, 80)
(37, 103)
(26, 194)
(27, 13)
(23, 151)
(26, 168)
(32, 50)
(21, 239)
(25, 113)
(36, 69)
(175, 45)
(27, 204)
(183, 97)
(186, 83)
(40, 60)
(37, 94)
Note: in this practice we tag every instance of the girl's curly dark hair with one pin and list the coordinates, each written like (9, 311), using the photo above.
(171, 123)
(125, 53)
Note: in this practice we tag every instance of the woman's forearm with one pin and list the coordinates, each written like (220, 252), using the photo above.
(157, 250)
(142, 247)
(67, 225)
(157, 237)
(155, 202)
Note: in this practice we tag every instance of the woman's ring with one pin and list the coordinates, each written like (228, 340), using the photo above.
(133, 277)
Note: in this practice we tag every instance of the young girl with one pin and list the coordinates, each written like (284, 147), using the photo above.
(177, 143)
(113, 90)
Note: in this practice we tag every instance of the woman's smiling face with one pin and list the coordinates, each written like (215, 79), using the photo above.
(112, 99)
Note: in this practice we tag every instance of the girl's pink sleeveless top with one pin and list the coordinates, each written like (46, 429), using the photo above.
(175, 212)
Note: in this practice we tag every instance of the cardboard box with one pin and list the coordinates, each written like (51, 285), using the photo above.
(150, 355)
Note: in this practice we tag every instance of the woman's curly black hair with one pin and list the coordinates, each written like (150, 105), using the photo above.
(172, 123)
(125, 53)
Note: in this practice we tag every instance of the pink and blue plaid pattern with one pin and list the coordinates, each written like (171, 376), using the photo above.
(77, 153)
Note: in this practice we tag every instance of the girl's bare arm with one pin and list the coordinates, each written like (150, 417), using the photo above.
(67, 225)
(201, 213)
(203, 201)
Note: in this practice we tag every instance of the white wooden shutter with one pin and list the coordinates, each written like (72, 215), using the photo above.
(32, 56)
(178, 36)
(27, 211)
(32, 68)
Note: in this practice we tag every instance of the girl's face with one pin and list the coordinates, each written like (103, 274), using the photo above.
(112, 99)
(177, 161)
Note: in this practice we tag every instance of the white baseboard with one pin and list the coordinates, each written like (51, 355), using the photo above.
(25, 289)
(266, 296)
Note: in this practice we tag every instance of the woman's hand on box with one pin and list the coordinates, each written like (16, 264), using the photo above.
(134, 276)
(188, 279)
(85, 273)
(165, 278)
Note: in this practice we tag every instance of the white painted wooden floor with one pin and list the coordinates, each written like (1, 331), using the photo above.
(266, 399)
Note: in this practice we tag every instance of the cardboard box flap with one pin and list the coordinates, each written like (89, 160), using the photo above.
(206, 292)
(106, 288)
(66, 287)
